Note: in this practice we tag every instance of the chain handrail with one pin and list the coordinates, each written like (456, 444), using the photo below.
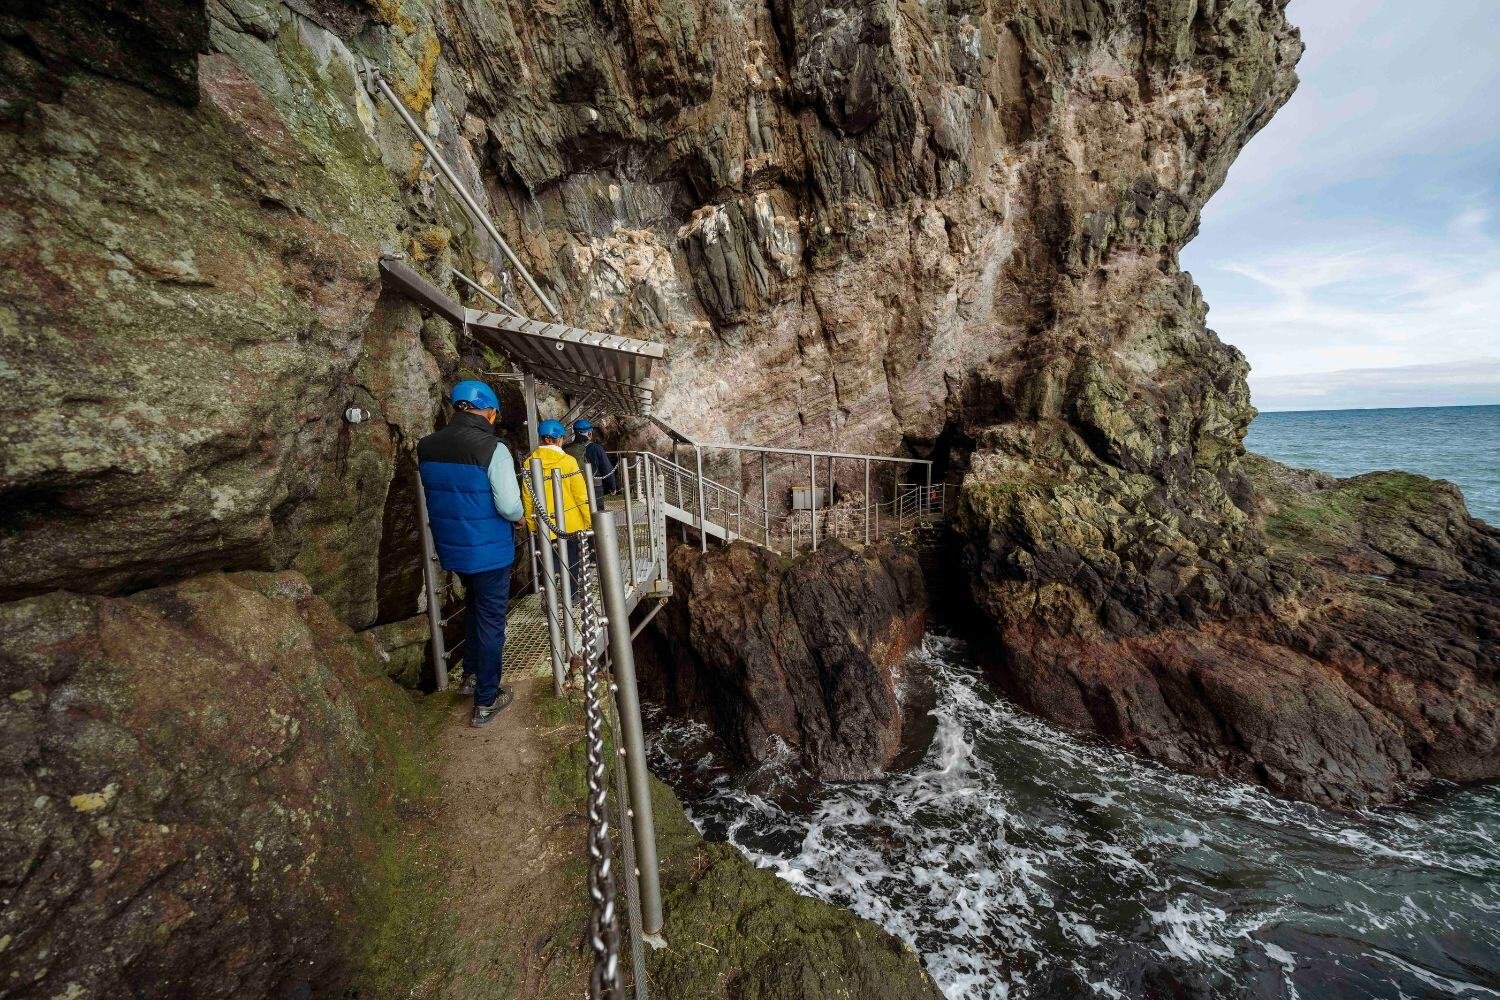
(604, 926)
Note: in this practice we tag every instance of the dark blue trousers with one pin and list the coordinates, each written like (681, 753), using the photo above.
(487, 596)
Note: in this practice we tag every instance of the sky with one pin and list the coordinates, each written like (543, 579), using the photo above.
(1360, 229)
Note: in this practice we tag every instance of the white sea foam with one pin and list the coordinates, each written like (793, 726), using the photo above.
(1014, 855)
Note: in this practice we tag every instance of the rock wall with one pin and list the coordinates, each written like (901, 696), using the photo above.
(199, 793)
(798, 654)
(875, 225)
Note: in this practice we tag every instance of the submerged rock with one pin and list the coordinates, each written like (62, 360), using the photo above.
(801, 654)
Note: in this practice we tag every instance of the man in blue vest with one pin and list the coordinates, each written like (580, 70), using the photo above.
(473, 501)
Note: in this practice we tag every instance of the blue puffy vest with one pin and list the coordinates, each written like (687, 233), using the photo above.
(470, 535)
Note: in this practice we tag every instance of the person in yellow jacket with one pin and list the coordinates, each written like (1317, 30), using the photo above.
(576, 514)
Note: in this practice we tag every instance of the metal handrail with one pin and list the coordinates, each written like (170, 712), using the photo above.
(740, 516)
(814, 453)
(376, 83)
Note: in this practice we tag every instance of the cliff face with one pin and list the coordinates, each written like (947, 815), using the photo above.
(200, 790)
(874, 225)
(946, 227)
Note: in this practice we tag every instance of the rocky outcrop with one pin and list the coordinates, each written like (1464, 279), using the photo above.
(802, 654)
(198, 792)
(1353, 658)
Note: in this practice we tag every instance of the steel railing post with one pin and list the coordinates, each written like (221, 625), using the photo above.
(812, 500)
(702, 507)
(430, 569)
(628, 702)
(547, 593)
(927, 493)
(867, 501)
(528, 392)
(564, 573)
(765, 497)
(590, 487)
(629, 520)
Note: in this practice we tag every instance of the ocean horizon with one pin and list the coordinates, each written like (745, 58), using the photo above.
(1460, 444)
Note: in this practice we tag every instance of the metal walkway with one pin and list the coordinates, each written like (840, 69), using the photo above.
(577, 618)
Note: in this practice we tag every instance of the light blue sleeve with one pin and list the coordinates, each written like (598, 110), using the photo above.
(503, 486)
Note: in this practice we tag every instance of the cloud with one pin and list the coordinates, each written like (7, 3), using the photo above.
(1358, 230)
(1464, 383)
(1383, 300)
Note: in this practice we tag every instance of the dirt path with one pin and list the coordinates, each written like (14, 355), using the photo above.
(508, 819)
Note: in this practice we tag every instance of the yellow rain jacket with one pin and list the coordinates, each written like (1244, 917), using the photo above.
(575, 491)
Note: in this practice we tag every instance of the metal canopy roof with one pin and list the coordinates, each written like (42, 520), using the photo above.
(612, 371)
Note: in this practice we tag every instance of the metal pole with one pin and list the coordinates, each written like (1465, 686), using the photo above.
(485, 292)
(528, 389)
(765, 497)
(480, 216)
(430, 569)
(564, 574)
(590, 487)
(927, 493)
(812, 500)
(678, 473)
(702, 530)
(867, 501)
(628, 701)
(832, 499)
(548, 592)
(656, 499)
(629, 518)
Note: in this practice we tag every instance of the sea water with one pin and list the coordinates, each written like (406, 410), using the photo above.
(1020, 861)
(1458, 443)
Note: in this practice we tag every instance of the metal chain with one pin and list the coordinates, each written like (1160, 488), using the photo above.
(604, 925)
(604, 928)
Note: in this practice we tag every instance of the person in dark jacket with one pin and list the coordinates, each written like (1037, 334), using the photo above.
(473, 503)
(591, 453)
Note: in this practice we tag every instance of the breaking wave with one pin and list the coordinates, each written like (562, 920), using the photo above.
(1021, 861)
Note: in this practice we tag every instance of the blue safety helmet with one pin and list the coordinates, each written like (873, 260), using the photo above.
(474, 395)
(582, 427)
(551, 429)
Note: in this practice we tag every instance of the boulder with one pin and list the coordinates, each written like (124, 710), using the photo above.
(194, 787)
(1346, 660)
(801, 653)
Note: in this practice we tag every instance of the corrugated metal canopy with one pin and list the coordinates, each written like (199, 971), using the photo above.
(613, 372)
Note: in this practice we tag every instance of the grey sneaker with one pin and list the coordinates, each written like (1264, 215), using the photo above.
(484, 714)
(466, 686)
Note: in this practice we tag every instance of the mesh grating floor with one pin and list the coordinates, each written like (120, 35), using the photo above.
(527, 647)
